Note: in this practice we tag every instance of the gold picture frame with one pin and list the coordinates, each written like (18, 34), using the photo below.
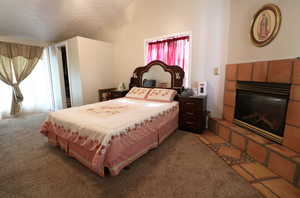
(265, 25)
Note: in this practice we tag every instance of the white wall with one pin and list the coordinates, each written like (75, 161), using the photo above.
(287, 43)
(96, 72)
(74, 71)
(207, 20)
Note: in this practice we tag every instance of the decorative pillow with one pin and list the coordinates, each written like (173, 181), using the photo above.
(166, 95)
(137, 92)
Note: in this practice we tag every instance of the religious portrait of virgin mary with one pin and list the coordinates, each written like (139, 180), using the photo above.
(264, 28)
(266, 24)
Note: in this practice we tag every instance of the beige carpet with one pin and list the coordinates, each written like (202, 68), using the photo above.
(181, 167)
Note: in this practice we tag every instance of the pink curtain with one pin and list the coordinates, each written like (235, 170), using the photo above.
(173, 51)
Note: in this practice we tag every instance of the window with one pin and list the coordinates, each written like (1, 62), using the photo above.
(36, 89)
(171, 50)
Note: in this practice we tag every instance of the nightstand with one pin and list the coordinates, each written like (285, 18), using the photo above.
(118, 94)
(192, 113)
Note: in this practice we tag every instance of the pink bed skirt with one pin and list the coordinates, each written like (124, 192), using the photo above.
(121, 151)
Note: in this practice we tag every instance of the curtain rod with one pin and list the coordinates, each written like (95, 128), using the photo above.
(169, 39)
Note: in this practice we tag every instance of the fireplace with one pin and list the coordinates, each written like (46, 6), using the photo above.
(262, 107)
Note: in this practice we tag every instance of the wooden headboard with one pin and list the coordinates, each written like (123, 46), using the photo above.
(176, 72)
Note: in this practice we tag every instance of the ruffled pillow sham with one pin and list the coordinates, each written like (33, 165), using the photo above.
(164, 95)
(138, 92)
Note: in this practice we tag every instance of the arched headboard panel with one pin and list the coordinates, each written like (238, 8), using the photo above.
(176, 72)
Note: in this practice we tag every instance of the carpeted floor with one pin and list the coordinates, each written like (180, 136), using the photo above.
(181, 167)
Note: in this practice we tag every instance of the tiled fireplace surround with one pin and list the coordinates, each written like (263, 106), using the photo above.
(284, 159)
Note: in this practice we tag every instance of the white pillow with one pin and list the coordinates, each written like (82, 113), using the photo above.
(165, 95)
(138, 92)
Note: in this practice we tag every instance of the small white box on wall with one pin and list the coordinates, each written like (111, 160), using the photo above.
(199, 88)
(203, 88)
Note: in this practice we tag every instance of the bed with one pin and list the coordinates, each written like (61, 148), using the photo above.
(112, 134)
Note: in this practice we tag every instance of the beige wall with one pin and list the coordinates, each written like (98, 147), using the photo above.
(96, 72)
(287, 43)
(207, 20)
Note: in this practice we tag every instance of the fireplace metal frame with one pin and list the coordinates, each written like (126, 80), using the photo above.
(259, 131)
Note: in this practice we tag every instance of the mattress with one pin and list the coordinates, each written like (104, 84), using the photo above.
(113, 133)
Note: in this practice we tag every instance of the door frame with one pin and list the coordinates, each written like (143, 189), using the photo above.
(62, 82)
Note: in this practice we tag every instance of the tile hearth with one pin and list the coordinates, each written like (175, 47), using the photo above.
(262, 178)
(271, 168)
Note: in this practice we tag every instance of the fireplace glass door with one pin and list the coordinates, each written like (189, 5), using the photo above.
(262, 110)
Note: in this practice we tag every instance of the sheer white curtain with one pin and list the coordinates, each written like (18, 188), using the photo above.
(36, 89)
(5, 99)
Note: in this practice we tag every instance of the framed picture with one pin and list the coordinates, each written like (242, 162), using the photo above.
(265, 25)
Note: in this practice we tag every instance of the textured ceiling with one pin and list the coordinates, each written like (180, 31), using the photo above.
(53, 20)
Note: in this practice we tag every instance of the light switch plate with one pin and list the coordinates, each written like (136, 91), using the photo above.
(216, 71)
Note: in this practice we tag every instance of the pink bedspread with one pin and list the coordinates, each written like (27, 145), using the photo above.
(121, 150)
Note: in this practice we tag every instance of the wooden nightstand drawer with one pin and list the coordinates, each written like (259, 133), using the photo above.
(191, 106)
(191, 122)
(191, 112)
(118, 94)
(191, 109)
(190, 102)
(192, 116)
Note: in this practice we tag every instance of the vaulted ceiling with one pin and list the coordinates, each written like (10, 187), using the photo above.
(53, 20)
